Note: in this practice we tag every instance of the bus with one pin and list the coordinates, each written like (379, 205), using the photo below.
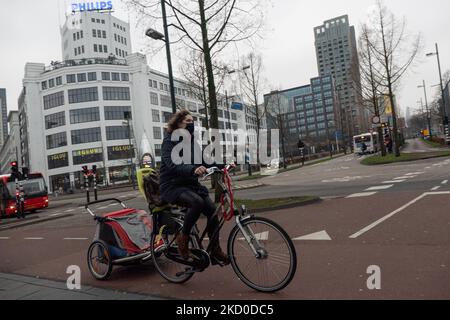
(35, 190)
(371, 141)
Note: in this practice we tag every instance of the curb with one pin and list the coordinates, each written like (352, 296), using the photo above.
(286, 206)
(36, 221)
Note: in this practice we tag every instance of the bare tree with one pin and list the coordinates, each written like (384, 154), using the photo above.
(371, 74)
(193, 70)
(208, 27)
(252, 87)
(395, 53)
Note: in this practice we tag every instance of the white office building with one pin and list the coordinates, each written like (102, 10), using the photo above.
(73, 113)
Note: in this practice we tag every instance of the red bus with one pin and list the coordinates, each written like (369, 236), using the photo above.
(35, 189)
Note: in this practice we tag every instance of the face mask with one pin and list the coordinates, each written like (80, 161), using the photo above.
(190, 127)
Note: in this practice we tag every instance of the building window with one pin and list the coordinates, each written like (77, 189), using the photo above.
(167, 116)
(83, 95)
(116, 93)
(84, 115)
(58, 81)
(165, 101)
(54, 100)
(104, 34)
(86, 135)
(94, 33)
(155, 116)
(154, 98)
(115, 76)
(44, 85)
(58, 160)
(87, 155)
(81, 77)
(100, 48)
(158, 150)
(117, 133)
(157, 133)
(95, 48)
(125, 77)
(233, 116)
(56, 140)
(55, 120)
(116, 112)
(92, 76)
(106, 76)
(51, 83)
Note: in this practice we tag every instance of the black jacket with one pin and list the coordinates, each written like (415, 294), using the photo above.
(175, 179)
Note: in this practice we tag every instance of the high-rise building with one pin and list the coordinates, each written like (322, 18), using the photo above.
(91, 34)
(310, 113)
(3, 117)
(337, 55)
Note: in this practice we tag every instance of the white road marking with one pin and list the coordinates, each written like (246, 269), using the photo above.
(405, 177)
(414, 173)
(100, 208)
(379, 187)
(34, 238)
(427, 167)
(76, 239)
(445, 182)
(122, 196)
(373, 225)
(55, 214)
(435, 188)
(321, 235)
(394, 181)
(70, 210)
(362, 194)
(5, 238)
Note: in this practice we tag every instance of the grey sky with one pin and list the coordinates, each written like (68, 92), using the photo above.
(29, 32)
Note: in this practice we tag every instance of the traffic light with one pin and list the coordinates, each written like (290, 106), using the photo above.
(14, 170)
(94, 169)
(300, 144)
(85, 170)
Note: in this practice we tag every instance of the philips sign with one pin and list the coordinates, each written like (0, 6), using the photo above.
(92, 6)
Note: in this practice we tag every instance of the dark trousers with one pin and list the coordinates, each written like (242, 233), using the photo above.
(198, 204)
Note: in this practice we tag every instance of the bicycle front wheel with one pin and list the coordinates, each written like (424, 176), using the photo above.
(273, 265)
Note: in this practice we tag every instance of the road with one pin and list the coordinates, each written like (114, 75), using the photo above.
(391, 218)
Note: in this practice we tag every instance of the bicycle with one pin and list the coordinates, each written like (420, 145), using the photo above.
(253, 239)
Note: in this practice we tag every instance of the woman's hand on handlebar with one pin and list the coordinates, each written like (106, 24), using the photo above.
(200, 171)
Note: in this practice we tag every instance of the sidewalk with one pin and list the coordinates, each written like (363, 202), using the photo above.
(417, 145)
(16, 287)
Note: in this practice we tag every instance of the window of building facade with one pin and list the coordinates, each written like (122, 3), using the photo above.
(59, 160)
(154, 98)
(157, 133)
(86, 135)
(117, 133)
(83, 95)
(116, 112)
(56, 140)
(71, 78)
(116, 93)
(58, 81)
(55, 120)
(125, 77)
(53, 100)
(87, 155)
(84, 115)
(155, 116)
(81, 77)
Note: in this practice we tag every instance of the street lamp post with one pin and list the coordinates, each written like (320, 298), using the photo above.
(444, 105)
(426, 106)
(159, 36)
(127, 115)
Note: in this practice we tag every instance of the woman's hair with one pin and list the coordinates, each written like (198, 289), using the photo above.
(176, 119)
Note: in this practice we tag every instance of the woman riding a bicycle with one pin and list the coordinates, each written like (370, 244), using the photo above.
(179, 185)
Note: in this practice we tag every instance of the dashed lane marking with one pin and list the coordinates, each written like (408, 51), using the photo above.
(321, 235)
(394, 181)
(445, 182)
(435, 188)
(379, 187)
(5, 238)
(405, 177)
(34, 238)
(362, 194)
(101, 208)
(70, 210)
(75, 239)
(414, 173)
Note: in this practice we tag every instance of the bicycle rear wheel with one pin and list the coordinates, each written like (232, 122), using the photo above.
(169, 269)
(276, 262)
(99, 260)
